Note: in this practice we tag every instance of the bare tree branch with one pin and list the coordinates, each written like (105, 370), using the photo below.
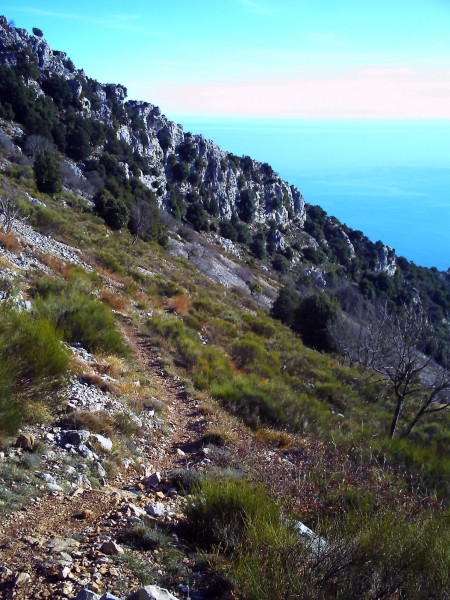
(391, 345)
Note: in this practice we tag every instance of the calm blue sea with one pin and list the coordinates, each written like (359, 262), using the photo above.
(390, 179)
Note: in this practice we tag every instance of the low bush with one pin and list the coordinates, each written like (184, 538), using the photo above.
(185, 480)
(385, 555)
(238, 518)
(429, 464)
(33, 365)
(80, 318)
(225, 508)
(260, 403)
(366, 553)
(143, 536)
(9, 242)
(112, 299)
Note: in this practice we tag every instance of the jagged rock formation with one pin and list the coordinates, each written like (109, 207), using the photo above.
(190, 162)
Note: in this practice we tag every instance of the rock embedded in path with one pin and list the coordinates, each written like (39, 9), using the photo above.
(62, 545)
(153, 592)
(22, 578)
(86, 594)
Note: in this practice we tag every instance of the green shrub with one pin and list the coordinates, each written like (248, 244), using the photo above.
(47, 221)
(313, 317)
(47, 173)
(143, 536)
(247, 350)
(224, 509)
(81, 319)
(386, 555)
(259, 324)
(238, 518)
(261, 403)
(428, 463)
(33, 365)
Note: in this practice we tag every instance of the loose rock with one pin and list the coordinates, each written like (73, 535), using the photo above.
(152, 592)
(111, 548)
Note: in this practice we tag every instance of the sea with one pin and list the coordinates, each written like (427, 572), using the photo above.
(387, 178)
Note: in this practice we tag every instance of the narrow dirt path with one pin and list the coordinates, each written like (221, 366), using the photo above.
(184, 418)
(26, 536)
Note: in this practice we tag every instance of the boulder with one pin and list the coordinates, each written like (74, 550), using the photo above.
(153, 480)
(100, 469)
(26, 441)
(156, 509)
(75, 436)
(86, 452)
(104, 442)
(110, 548)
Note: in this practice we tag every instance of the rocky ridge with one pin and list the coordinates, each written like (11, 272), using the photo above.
(163, 144)
(181, 167)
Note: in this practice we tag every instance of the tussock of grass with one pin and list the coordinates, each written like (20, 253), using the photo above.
(143, 536)
(94, 421)
(77, 315)
(367, 554)
(33, 365)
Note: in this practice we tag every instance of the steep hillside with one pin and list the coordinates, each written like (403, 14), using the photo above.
(159, 426)
(128, 159)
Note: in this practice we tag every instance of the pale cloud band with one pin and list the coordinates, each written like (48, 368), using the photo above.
(371, 93)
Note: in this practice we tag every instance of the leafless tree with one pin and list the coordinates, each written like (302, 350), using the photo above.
(392, 345)
(142, 219)
(9, 209)
(36, 143)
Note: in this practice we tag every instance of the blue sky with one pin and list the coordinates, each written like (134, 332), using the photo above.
(261, 58)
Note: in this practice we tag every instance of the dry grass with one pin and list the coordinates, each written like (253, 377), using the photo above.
(218, 436)
(114, 366)
(180, 305)
(10, 242)
(98, 381)
(114, 300)
(97, 421)
(279, 439)
(56, 265)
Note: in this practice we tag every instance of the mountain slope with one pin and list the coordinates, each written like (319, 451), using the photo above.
(119, 358)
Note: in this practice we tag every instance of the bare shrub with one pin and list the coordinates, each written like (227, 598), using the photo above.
(9, 209)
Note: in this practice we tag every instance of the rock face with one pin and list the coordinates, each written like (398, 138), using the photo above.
(186, 172)
(189, 163)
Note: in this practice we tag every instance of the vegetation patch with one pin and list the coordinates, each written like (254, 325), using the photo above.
(33, 366)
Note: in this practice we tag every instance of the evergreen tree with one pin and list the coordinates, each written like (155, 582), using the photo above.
(47, 173)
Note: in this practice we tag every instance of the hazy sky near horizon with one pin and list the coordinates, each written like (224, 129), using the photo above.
(360, 59)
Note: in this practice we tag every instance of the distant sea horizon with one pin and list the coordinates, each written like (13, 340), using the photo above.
(387, 178)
